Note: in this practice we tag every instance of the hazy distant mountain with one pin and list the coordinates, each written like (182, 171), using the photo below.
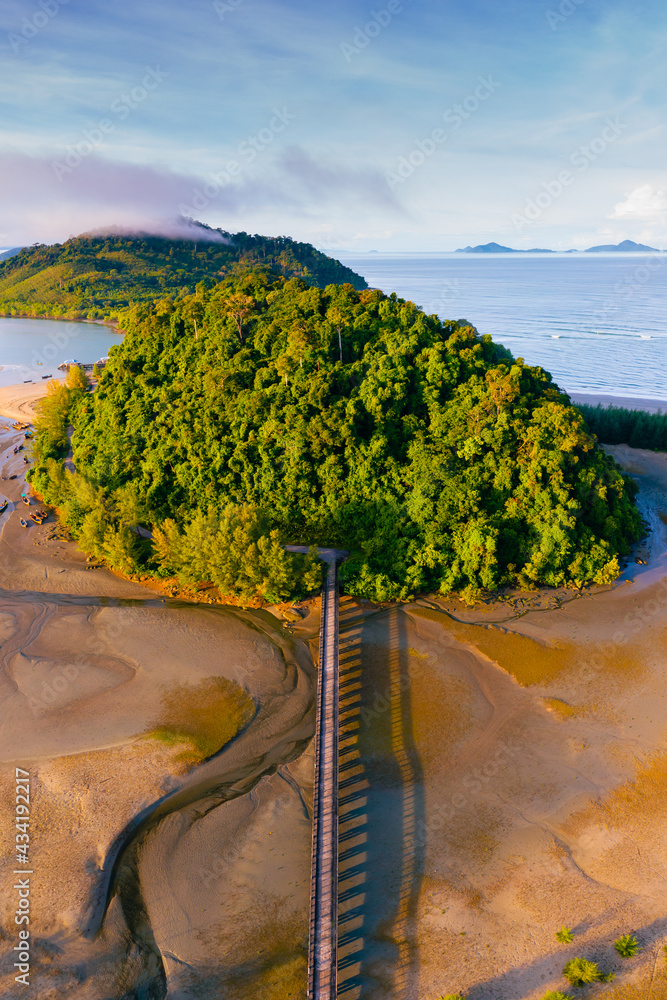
(624, 247)
(6, 254)
(497, 248)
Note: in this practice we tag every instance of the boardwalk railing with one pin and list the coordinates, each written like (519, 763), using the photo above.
(323, 947)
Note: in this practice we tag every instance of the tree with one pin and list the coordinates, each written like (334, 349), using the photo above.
(76, 378)
(337, 318)
(119, 548)
(239, 306)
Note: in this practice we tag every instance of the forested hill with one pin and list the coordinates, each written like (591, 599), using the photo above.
(333, 417)
(92, 277)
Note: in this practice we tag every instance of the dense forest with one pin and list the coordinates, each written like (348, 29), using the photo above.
(618, 425)
(261, 411)
(92, 277)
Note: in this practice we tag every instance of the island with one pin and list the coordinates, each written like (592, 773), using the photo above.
(493, 664)
(625, 247)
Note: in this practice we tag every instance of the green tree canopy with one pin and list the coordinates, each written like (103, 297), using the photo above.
(436, 458)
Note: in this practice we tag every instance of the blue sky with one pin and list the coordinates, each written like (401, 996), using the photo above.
(399, 125)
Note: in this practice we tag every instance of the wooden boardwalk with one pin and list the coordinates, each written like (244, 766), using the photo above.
(323, 947)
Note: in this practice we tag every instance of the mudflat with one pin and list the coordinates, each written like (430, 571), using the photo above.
(503, 773)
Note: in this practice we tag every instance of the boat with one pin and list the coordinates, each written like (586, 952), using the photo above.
(46, 376)
(3, 506)
(26, 460)
(26, 500)
(28, 434)
(24, 523)
(36, 518)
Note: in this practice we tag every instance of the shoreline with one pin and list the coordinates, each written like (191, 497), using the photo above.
(111, 323)
(17, 402)
(627, 402)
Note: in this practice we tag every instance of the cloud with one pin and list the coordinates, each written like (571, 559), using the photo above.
(642, 203)
(54, 198)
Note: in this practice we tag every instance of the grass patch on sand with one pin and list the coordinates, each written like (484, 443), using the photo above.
(531, 662)
(204, 717)
(651, 988)
(269, 954)
(640, 800)
(564, 710)
(528, 661)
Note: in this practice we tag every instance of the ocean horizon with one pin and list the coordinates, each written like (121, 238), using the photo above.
(594, 321)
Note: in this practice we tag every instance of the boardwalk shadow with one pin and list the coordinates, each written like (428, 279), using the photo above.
(381, 807)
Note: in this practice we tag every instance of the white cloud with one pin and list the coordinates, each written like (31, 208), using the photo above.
(644, 202)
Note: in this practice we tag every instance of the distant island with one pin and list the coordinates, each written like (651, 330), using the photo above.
(497, 248)
(627, 246)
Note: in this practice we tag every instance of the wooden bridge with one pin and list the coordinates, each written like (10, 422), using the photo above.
(323, 940)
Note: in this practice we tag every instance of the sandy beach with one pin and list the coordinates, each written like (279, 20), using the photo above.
(503, 772)
(18, 401)
(630, 403)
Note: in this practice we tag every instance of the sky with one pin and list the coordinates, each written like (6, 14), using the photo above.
(400, 125)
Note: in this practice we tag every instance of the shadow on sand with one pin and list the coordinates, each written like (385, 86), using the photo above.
(521, 980)
(381, 807)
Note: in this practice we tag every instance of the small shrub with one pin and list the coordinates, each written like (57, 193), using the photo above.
(564, 935)
(579, 972)
(556, 996)
(627, 946)
(453, 996)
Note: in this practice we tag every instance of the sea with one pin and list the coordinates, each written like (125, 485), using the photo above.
(33, 348)
(597, 322)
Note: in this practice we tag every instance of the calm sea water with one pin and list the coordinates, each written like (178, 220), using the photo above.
(24, 343)
(598, 323)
